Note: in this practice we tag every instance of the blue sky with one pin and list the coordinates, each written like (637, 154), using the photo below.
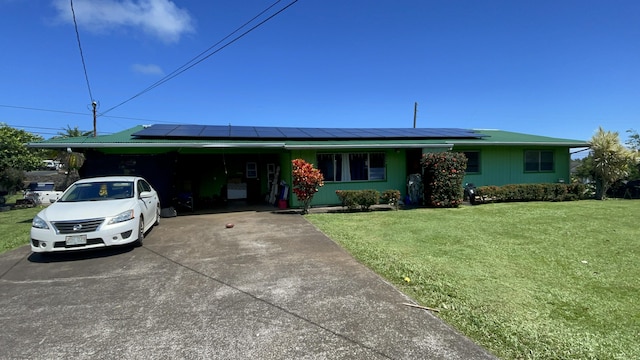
(557, 68)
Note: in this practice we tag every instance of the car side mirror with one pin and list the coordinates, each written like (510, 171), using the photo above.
(146, 194)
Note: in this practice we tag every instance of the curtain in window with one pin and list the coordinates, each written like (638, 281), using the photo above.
(358, 166)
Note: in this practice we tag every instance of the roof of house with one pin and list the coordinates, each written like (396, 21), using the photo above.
(199, 136)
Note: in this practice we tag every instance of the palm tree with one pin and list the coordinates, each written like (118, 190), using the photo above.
(75, 132)
(610, 160)
(72, 160)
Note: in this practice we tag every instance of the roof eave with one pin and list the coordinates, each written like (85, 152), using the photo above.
(522, 143)
(153, 145)
(366, 146)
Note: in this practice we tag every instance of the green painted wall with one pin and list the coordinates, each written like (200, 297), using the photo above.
(396, 174)
(499, 165)
(502, 165)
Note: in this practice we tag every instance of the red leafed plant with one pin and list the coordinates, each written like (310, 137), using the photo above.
(307, 180)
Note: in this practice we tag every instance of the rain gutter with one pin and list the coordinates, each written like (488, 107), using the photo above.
(368, 146)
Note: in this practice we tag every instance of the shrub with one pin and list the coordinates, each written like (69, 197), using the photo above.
(443, 175)
(12, 179)
(347, 198)
(307, 180)
(391, 197)
(352, 199)
(532, 192)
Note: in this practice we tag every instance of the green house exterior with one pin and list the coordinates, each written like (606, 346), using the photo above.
(213, 168)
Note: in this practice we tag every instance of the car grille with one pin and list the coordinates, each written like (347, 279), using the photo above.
(77, 226)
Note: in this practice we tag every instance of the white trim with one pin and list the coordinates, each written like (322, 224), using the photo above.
(369, 146)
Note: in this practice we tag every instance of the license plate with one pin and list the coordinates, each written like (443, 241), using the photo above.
(76, 240)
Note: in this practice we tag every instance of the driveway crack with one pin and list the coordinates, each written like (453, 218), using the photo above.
(276, 306)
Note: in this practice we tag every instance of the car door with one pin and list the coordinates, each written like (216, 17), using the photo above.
(147, 205)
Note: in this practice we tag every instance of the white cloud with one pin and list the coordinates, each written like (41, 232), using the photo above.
(148, 69)
(160, 18)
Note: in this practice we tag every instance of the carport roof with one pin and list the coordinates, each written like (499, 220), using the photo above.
(380, 138)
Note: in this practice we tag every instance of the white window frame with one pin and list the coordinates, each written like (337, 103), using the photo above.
(345, 159)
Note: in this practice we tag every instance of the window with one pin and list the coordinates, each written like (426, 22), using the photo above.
(538, 160)
(473, 161)
(352, 166)
(252, 170)
(143, 186)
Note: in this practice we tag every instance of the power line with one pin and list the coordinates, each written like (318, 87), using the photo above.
(41, 128)
(191, 63)
(79, 113)
(34, 127)
(39, 109)
(216, 44)
(84, 66)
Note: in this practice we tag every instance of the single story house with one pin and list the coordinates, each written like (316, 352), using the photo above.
(211, 164)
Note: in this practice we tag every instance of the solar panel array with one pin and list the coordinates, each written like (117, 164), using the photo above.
(291, 133)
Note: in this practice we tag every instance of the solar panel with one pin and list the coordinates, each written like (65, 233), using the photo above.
(187, 131)
(291, 133)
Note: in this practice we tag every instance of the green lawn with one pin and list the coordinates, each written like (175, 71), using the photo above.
(15, 226)
(525, 280)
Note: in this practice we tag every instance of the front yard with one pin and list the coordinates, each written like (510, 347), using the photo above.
(525, 280)
(15, 226)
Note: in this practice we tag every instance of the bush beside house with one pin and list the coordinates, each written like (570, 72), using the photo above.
(532, 192)
(392, 197)
(364, 199)
(443, 176)
(307, 180)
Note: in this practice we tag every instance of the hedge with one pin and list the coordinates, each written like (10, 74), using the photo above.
(391, 197)
(531, 192)
(352, 199)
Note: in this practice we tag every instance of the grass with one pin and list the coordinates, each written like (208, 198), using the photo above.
(525, 280)
(15, 225)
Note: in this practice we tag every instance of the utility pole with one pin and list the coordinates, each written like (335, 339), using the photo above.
(94, 105)
(415, 113)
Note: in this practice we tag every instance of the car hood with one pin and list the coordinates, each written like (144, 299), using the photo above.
(61, 211)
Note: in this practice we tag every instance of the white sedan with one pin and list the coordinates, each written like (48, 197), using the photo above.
(97, 212)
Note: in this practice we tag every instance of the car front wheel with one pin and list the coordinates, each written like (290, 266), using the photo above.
(138, 242)
(157, 216)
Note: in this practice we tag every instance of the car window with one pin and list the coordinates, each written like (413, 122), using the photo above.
(143, 186)
(98, 191)
(41, 186)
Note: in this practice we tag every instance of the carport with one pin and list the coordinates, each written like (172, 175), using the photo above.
(192, 179)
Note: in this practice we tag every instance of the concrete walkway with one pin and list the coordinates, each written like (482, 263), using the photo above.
(271, 287)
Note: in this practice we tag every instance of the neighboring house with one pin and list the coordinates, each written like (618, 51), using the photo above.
(210, 164)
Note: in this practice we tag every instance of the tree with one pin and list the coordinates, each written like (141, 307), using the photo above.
(585, 171)
(13, 150)
(307, 180)
(75, 132)
(633, 142)
(611, 160)
(72, 161)
(16, 157)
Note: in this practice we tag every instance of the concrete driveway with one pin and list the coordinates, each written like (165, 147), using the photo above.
(272, 287)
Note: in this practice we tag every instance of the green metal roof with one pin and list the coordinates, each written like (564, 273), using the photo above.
(499, 137)
(125, 139)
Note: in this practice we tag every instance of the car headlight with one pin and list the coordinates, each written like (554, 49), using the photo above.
(123, 216)
(39, 223)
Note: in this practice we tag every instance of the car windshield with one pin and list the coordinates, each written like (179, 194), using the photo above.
(98, 191)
